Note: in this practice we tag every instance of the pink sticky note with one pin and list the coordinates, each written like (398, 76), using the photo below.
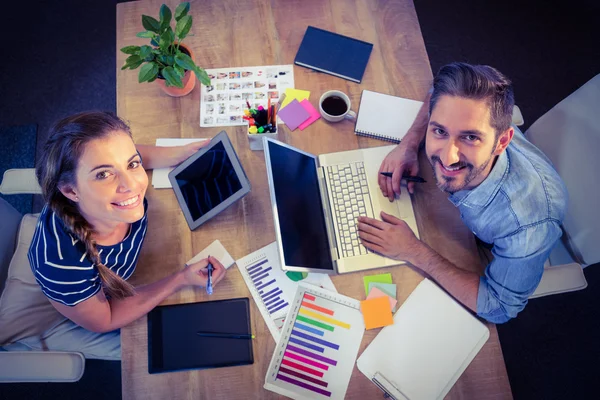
(376, 292)
(314, 114)
(293, 114)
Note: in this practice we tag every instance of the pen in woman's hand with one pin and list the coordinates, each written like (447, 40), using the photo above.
(209, 286)
(407, 177)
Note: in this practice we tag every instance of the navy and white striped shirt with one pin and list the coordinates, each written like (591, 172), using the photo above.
(60, 264)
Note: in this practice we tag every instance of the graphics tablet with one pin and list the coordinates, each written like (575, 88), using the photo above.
(209, 181)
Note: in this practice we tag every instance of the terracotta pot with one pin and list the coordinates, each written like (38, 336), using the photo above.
(189, 80)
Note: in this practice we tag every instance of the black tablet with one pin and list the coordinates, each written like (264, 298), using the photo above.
(209, 181)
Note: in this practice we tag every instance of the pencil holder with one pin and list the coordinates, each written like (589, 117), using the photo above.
(256, 139)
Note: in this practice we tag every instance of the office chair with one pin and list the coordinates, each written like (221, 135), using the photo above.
(569, 135)
(17, 284)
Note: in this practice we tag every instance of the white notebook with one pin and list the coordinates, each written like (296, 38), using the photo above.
(431, 343)
(386, 117)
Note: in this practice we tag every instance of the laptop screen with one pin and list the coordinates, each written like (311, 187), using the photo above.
(299, 209)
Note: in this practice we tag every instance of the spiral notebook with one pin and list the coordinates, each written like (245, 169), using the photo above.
(385, 117)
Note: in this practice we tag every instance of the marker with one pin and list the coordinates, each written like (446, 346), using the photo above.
(417, 179)
(226, 335)
(209, 287)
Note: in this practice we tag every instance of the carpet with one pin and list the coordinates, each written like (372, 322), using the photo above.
(18, 151)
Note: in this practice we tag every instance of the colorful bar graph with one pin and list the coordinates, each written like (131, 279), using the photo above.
(303, 385)
(307, 345)
(312, 355)
(303, 376)
(309, 297)
(306, 360)
(315, 323)
(301, 367)
(266, 285)
(308, 329)
(317, 308)
(323, 318)
(314, 339)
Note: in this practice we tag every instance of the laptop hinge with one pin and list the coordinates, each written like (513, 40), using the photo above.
(328, 215)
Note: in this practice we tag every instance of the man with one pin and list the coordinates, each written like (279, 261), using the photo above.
(506, 189)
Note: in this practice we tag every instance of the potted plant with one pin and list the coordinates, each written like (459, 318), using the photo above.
(167, 61)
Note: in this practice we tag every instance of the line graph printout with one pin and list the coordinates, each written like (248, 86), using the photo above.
(271, 288)
(319, 343)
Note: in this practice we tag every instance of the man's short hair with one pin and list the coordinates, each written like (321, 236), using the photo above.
(477, 82)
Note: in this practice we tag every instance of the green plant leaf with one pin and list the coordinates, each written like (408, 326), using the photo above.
(165, 16)
(185, 61)
(183, 26)
(132, 62)
(202, 76)
(153, 79)
(179, 70)
(182, 10)
(150, 24)
(131, 49)
(172, 77)
(147, 72)
(146, 34)
(166, 59)
(146, 53)
(153, 42)
(166, 39)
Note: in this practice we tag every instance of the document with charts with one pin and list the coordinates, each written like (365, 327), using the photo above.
(319, 343)
(272, 288)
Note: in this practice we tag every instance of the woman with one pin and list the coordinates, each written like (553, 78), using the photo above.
(88, 237)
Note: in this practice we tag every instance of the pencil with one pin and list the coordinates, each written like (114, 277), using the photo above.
(226, 335)
(417, 179)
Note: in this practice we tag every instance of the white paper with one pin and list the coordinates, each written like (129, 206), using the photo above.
(160, 176)
(216, 250)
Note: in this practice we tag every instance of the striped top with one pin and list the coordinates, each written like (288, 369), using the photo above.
(60, 264)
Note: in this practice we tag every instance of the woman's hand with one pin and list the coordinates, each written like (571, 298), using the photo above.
(197, 273)
(188, 150)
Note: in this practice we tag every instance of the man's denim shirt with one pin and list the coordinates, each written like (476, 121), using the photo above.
(518, 208)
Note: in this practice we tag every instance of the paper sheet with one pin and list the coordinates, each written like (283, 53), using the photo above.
(376, 312)
(160, 176)
(314, 114)
(293, 115)
(382, 278)
(376, 292)
(387, 288)
(216, 250)
(294, 94)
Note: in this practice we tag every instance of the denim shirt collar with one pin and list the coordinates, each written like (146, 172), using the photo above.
(485, 192)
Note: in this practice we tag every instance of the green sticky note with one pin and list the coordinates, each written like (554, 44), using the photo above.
(387, 288)
(381, 278)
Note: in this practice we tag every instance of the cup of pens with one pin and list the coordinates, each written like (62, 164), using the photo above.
(262, 122)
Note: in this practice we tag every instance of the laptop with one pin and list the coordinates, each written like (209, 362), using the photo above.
(316, 201)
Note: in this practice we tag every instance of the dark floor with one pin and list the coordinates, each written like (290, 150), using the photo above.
(59, 58)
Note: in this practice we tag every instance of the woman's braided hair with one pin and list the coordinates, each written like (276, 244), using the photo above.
(57, 168)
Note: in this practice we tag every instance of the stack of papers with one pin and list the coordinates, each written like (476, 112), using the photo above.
(296, 111)
(381, 301)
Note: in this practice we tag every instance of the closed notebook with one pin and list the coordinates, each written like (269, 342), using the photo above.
(431, 343)
(173, 344)
(385, 117)
(334, 54)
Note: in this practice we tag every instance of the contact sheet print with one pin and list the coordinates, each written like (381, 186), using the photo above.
(223, 103)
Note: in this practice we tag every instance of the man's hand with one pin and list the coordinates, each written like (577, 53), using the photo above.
(391, 237)
(403, 160)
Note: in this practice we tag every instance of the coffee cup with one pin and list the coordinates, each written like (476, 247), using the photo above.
(334, 106)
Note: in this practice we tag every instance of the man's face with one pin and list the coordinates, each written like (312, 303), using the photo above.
(461, 144)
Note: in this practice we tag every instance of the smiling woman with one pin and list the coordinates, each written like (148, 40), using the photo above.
(89, 234)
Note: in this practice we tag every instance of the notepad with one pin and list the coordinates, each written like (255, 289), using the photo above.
(294, 94)
(382, 278)
(333, 54)
(314, 114)
(376, 312)
(173, 344)
(375, 292)
(387, 288)
(431, 343)
(385, 117)
(293, 114)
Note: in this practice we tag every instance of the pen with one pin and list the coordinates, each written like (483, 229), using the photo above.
(408, 178)
(209, 287)
(226, 335)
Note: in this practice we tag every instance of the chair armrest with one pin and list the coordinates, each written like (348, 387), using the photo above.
(517, 116)
(20, 180)
(560, 279)
(41, 366)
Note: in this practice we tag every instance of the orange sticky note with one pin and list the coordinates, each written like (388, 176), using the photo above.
(376, 312)
(376, 292)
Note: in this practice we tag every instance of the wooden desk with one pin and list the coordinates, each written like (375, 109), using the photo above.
(237, 33)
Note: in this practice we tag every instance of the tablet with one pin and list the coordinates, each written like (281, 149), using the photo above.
(209, 181)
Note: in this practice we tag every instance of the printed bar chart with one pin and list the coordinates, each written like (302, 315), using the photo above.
(318, 347)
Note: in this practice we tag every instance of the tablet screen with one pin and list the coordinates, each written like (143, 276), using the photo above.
(208, 181)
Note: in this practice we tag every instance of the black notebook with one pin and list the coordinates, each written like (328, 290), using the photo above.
(334, 54)
(173, 344)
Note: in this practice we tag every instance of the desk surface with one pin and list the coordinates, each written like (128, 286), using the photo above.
(225, 33)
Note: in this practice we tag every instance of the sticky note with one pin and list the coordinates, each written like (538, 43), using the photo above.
(376, 312)
(381, 278)
(217, 250)
(387, 288)
(314, 114)
(293, 115)
(376, 292)
(294, 94)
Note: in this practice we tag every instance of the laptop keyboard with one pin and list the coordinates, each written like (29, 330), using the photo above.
(350, 193)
